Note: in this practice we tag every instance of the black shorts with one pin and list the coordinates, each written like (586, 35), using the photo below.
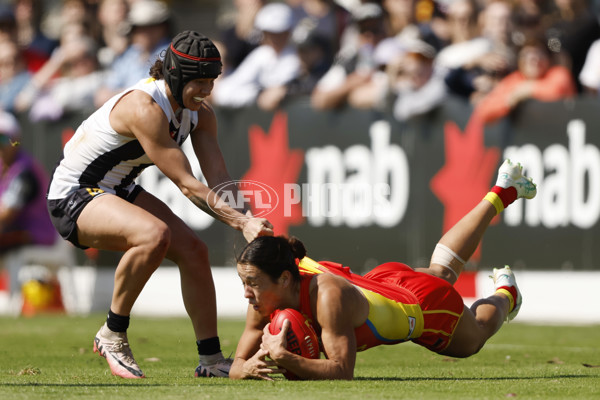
(64, 212)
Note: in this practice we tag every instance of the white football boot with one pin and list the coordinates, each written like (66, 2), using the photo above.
(505, 277)
(114, 346)
(214, 366)
(511, 174)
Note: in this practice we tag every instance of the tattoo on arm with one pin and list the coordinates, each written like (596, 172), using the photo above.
(203, 205)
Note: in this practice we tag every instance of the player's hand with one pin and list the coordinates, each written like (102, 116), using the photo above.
(275, 345)
(256, 227)
(258, 367)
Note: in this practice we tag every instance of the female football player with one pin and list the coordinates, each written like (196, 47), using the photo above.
(94, 201)
(391, 304)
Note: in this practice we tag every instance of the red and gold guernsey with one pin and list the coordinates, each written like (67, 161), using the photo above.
(403, 304)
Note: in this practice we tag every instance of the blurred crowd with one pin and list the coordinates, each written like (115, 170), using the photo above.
(399, 56)
(402, 57)
(407, 56)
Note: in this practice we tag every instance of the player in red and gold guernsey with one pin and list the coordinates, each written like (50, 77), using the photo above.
(391, 304)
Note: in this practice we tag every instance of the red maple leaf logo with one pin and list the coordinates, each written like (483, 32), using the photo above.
(465, 177)
(274, 164)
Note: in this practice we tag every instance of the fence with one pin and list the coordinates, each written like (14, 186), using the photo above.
(361, 188)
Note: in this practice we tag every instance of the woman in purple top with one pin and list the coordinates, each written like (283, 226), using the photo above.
(24, 218)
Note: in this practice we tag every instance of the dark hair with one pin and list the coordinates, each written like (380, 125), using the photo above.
(539, 42)
(156, 69)
(273, 255)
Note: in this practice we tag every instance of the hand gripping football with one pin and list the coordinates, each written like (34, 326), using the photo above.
(301, 337)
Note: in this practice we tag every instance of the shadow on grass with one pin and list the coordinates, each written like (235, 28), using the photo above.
(224, 382)
(102, 385)
(449, 378)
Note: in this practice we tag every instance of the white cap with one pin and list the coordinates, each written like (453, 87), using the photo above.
(366, 11)
(417, 46)
(9, 126)
(387, 50)
(275, 18)
(148, 12)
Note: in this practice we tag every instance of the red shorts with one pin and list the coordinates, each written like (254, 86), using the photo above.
(441, 304)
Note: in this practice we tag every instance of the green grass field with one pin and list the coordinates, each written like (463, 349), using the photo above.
(52, 358)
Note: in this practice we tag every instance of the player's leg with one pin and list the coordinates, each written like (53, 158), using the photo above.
(191, 256)
(486, 316)
(459, 243)
(197, 287)
(111, 223)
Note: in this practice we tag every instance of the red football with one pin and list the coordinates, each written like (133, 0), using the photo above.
(301, 337)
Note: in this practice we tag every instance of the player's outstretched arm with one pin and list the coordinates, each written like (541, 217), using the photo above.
(250, 361)
(340, 349)
(334, 297)
(208, 152)
(140, 117)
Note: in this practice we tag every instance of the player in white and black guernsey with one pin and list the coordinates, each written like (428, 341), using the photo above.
(94, 201)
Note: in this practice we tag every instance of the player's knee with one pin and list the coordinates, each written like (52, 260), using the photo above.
(464, 349)
(157, 237)
(190, 250)
(200, 249)
(473, 349)
(446, 263)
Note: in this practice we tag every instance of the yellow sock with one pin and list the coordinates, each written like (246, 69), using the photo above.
(496, 201)
(510, 296)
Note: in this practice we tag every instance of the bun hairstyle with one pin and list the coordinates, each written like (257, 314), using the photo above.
(273, 255)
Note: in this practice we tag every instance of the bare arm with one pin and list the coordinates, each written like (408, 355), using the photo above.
(138, 115)
(336, 97)
(334, 297)
(207, 150)
(250, 362)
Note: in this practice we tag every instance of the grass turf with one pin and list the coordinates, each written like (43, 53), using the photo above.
(50, 357)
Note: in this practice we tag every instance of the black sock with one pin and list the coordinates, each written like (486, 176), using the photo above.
(117, 323)
(210, 346)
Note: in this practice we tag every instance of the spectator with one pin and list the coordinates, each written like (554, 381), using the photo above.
(13, 74)
(400, 14)
(36, 46)
(66, 83)
(354, 65)
(462, 18)
(240, 37)
(23, 215)
(273, 64)
(150, 22)
(8, 24)
(112, 17)
(316, 57)
(529, 19)
(537, 78)
(475, 66)
(589, 78)
(432, 22)
(417, 86)
(324, 18)
(571, 33)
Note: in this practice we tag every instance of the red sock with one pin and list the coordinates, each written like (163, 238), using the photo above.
(507, 195)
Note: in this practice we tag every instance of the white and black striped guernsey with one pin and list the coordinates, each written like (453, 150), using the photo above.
(98, 157)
